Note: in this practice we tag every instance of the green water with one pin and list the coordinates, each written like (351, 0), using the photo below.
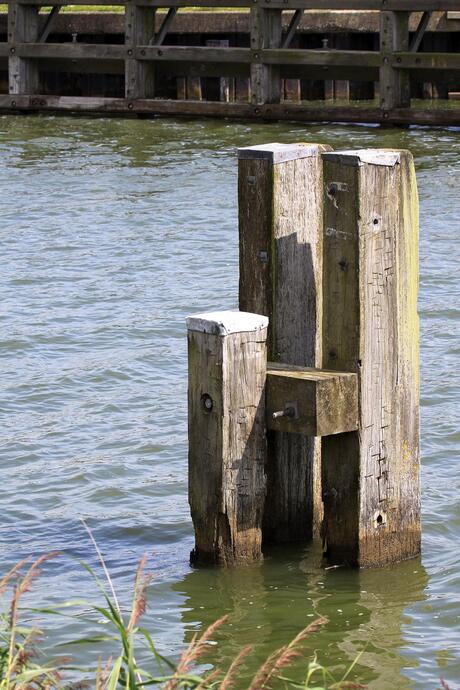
(112, 232)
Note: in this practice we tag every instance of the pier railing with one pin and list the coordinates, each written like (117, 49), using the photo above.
(266, 63)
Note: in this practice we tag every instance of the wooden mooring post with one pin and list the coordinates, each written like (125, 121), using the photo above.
(280, 229)
(329, 252)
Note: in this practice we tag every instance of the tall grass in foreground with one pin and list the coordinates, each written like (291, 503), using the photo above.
(22, 666)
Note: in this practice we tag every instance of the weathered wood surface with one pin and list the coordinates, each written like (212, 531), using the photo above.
(371, 477)
(139, 30)
(394, 36)
(315, 402)
(401, 5)
(265, 30)
(270, 112)
(227, 444)
(280, 226)
(346, 60)
(23, 25)
(237, 21)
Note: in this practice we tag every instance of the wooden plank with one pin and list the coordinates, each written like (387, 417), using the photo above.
(73, 51)
(342, 58)
(265, 32)
(417, 38)
(227, 444)
(285, 111)
(313, 402)
(280, 227)
(139, 30)
(396, 5)
(394, 84)
(420, 61)
(237, 21)
(49, 23)
(292, 28)
(165, 27)
(333, 60)
(23, 22)
(370, 326)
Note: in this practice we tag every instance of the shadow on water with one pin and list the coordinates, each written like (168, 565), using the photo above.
(268, 604)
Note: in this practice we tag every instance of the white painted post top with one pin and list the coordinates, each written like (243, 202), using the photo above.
(226, 322)
(280, 153)
(385, 157)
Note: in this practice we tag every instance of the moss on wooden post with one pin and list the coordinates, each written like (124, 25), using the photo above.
(371, 476)
(227, 445)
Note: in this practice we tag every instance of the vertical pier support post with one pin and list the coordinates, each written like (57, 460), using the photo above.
(371, 476)
(22, 28)
(227, 443)
(394, 83)
(280, 225)
(139, 30)
(265, 31)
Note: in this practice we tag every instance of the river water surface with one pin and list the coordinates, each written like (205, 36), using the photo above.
(112, 232)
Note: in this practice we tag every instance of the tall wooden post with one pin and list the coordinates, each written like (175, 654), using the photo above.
(22, 28)
(265, 33)
(280, 225)
(370, 326)
(139, 31)
(394, 83)
(227, 445)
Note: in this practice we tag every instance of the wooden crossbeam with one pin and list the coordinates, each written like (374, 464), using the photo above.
(165, 27)
(312, 402)
(420, 32)
(292, 28)
(390, 5)
(51, 18)
(270, 56)
(297, 112)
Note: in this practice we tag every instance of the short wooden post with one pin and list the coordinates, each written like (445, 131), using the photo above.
(227, 444)
(139, 30)
(241, 89)
(189, 89)
(394, 83)
(291, 90)
(22, 28)
(265, 33)
(280, 225)
(370, 326)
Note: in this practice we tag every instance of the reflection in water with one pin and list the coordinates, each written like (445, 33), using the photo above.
(269, 603)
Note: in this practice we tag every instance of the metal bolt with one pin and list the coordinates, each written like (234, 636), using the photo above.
(207, 402)
(287, 412)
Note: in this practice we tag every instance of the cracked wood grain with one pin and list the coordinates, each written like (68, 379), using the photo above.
(371, 477)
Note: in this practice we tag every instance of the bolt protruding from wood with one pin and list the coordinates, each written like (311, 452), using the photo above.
(287, 412)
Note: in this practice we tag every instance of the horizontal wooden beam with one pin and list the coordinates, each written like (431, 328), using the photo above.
(271, 56)
(359, 59)
(416, 61)
(279, 111)
(312, 402)
(394, 5)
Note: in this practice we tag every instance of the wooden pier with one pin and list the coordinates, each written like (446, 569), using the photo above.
(259, 80)
(304, 411)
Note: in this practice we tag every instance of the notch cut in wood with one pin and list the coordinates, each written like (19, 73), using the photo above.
(312, 402)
